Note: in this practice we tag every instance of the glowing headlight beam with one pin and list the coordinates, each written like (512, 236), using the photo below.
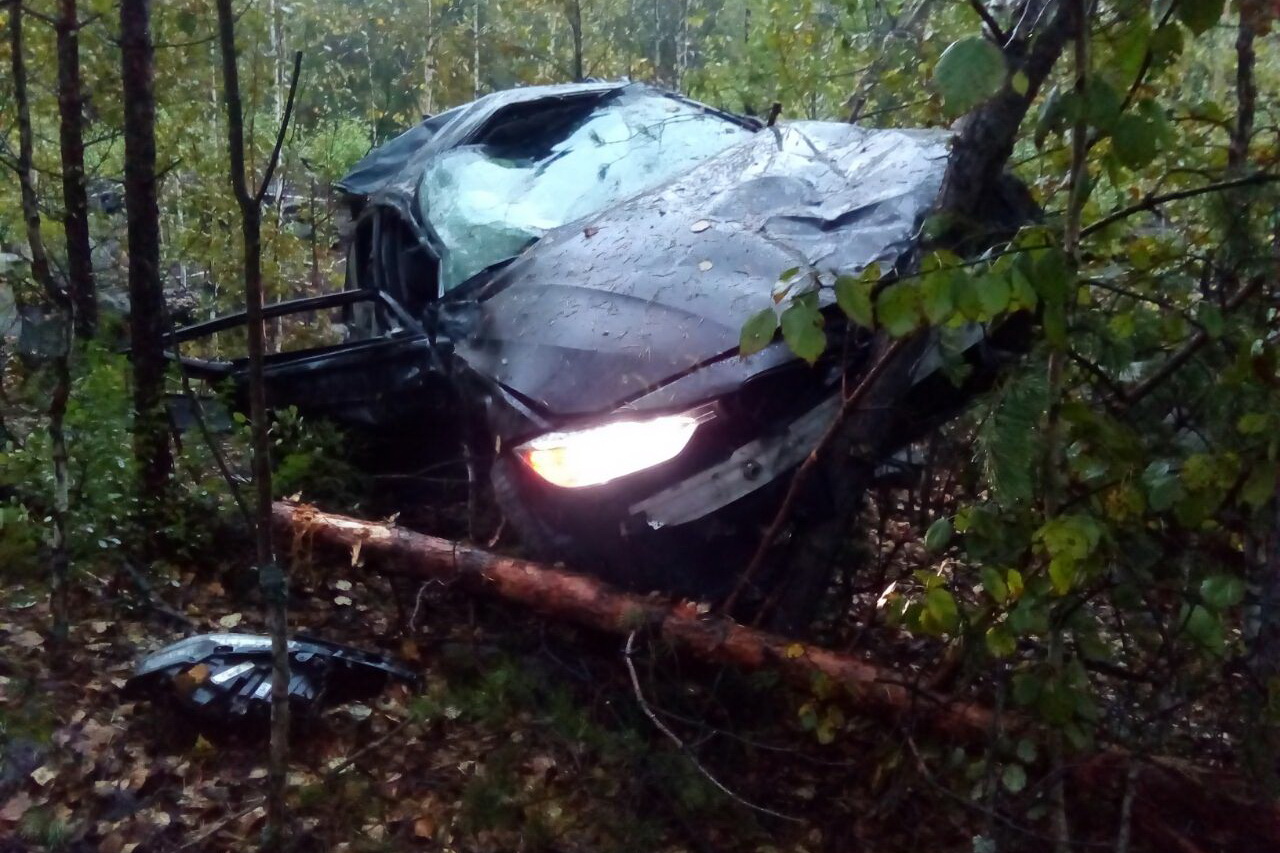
(596, 455)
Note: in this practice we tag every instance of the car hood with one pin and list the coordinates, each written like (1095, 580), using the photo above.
(605, 309)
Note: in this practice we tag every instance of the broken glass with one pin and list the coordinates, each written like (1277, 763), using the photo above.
(486, 202)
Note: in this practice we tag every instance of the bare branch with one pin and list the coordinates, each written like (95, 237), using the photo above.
(627, 652)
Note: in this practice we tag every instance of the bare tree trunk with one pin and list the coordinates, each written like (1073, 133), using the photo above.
(573, 10)
(270, 575)
(75, 197)
(475, 48)
(60, 561)
(146, 292)
(1246, 93)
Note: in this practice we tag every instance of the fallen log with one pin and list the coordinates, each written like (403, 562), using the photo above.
(583, 600)
(1174, 807)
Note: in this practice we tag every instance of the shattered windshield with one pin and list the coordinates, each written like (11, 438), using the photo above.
(486, 202)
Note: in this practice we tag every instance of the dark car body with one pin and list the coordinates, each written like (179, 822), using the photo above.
(462, 308)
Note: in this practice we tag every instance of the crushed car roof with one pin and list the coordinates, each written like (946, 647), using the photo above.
(606, 308)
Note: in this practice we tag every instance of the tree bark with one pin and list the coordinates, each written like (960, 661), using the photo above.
(271, 577)
(60, 560)
(985, 141)
(146, 292)
(75, 197)
(593, 604)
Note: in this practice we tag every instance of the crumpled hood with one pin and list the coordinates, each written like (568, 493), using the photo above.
(604, 309)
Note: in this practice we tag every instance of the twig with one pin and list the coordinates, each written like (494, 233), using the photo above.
(284, 129)
(1126, 808)
(350, 760)
(217, 827)
(806, 469)
(1188, 349)
(1151, 202)
(627, 653)
(997, 34)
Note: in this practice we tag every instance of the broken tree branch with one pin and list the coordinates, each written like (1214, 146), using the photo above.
(1222, 811)
(593, 604)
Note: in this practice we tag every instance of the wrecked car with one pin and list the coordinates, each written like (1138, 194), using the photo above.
(559, 275)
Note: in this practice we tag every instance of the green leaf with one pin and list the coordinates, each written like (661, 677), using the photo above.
(1020, 83)
(1222, 591)
(994, 292)
(853, 295)
(968, 72)
(941, 606)
(938, 536)
(1134, 141)
(1014, 582)
(1000, 641)
(994, 584)
(1131, 49)
(1205, 628)
(758, 332)
(1026, 751)
(1062, 572)
(938, 296)
(1102, 104)
(802, 329)
(1022, 292)
(898, 308)
(1014, 778)
(1199, 15)
(1259, 487)
(1166, 44)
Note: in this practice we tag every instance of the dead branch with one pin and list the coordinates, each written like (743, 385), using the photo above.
(593, 604)
(1215, 810)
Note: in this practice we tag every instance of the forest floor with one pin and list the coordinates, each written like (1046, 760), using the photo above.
(523, 736)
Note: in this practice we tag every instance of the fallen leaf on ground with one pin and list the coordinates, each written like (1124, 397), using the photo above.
(43, 775)
(16, 807)
(27, 640)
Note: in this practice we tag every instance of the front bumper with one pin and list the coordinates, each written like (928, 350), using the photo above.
(751, 467)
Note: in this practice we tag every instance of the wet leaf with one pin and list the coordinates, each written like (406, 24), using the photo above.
(1222, 591)
(1014, 778)
(758, 332)
(938, 536)
(853, 295)
(1134, 141)
(1199, 15)
(968, 72)
(802, 329)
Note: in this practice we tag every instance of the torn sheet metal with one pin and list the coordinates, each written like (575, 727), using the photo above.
(227, 677)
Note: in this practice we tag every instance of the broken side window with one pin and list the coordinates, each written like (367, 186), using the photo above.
(486, 202)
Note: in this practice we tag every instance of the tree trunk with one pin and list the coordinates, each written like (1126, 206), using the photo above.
(146, 292)
(593, 604)
(573, 10)
(60, 561)
(270, 576)
(75, 197)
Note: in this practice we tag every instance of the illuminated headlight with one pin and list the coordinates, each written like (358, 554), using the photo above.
(589, 457)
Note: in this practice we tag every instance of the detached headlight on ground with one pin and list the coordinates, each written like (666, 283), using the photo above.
(589, 457)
